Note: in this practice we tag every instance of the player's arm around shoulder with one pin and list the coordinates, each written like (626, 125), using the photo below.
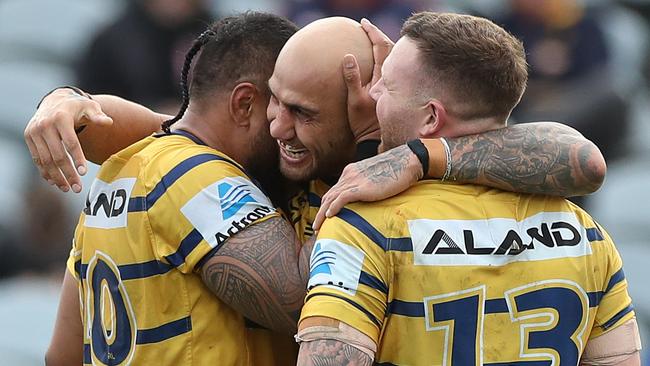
(327, 341)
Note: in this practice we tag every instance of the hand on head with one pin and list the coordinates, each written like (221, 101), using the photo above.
(360, 106)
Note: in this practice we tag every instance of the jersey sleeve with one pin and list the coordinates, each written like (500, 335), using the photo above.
(198, 208)
(348, 278)
(615, 306)
(73, 264)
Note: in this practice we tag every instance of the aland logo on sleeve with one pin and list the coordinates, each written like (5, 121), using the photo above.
(226, 207)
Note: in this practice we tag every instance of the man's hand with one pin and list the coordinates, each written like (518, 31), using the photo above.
(361, 107)
(374, 179)
(50, 136)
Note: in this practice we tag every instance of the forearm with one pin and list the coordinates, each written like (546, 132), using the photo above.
(66, 345)
(131, 122)
(331, 352)
(543, 158)
(327, 341)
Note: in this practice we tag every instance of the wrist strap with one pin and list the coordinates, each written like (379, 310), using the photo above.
(418, 148)
(448, 156)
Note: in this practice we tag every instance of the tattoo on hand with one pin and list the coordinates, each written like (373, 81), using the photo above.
(326, 352)
(386, 166)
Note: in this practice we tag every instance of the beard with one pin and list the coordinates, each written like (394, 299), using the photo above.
(264, 166)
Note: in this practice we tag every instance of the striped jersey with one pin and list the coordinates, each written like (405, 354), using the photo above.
(448, 274)
(156, 211)
(304, 206)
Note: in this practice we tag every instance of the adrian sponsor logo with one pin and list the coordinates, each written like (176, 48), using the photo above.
(107, 203)
(225, 208)
(498, 241)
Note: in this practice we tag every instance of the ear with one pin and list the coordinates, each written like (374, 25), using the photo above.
(242, 100)
(435, 120)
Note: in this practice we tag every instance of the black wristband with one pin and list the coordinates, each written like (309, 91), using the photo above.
(422, 153)
(73, 88)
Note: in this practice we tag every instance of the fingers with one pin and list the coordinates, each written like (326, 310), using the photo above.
(61, 162)
(50, 136)
(73, 147)
(341, 200)
(352, 76)
(33, 151)
(326, 200)
(49, 170)
(333, 201)
(320, 217)
(381, 47)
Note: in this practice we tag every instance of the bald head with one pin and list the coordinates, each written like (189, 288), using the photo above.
(316, 53)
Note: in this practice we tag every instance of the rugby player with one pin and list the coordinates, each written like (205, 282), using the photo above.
(135, 112)
(161, 217)
(460, 274)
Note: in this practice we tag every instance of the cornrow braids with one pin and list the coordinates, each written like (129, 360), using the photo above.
(194, 50)
(237, 48)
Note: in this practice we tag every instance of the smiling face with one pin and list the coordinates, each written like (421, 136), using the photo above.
(309, 121)
(308, 111)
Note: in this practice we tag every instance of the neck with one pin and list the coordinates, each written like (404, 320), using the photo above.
(209, 126)
(464, 127)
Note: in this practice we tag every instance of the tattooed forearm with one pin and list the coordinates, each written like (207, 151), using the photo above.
(546, 158)
(256, 272)
(386, 166)
(328, 352)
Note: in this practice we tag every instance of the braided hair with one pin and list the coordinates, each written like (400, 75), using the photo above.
(196, 47)
(236, 47)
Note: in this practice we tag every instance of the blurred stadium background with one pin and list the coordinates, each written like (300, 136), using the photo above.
(590, 65)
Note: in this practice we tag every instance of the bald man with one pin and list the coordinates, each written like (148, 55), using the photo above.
(316, 134)
(308, 104)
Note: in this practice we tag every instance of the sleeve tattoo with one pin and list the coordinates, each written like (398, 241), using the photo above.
(543, 158)
(327, 352)
(257, 273)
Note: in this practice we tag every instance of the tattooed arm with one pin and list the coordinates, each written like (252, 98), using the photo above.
(544, 158)
(257, 272)
(327, 341)
(329, 352)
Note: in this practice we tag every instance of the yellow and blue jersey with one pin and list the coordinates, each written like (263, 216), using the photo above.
(156, 211)
(450, 274)
(304, 206)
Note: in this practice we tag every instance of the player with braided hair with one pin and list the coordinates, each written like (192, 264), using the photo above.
(173, 204)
